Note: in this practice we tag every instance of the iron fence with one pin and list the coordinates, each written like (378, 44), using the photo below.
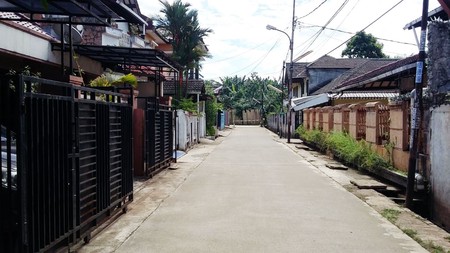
(73, 166)
(158, 148)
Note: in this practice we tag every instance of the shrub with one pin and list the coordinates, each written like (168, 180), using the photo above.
(345, 148)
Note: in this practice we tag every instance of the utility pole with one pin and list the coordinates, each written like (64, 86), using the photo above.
(416, 110)
(291, 71)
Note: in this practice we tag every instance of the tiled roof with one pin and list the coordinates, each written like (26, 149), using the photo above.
(195, 86)
(365, 67)
(379, 71)
(25, 26)
(328, 62)
(299, 70)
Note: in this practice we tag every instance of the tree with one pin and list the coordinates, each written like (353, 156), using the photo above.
(363, 45)
(181, 26)
(241, 93)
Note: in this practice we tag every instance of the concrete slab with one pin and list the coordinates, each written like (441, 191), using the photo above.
(336, 166)
(368, 184)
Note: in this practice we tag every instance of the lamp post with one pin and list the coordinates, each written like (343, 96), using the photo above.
(291, 66)
(291, 70)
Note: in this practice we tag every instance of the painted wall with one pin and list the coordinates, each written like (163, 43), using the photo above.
(317, 77)
(38, 48)
(440, 171)
(439, 136)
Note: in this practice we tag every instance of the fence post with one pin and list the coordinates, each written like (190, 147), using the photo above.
(353, 120)
(372, 129)
(399, 129)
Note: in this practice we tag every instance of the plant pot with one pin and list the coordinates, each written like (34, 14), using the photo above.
(76, 80)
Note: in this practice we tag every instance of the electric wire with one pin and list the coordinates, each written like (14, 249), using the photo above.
(370, 24)
(326, 24)
(353, 33)
(239, 54)
(339, 25)
(313, 10)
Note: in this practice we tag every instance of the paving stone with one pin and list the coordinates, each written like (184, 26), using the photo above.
(336, 166)
(368, 184)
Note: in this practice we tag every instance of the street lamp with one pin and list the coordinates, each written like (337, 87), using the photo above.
(291, 70)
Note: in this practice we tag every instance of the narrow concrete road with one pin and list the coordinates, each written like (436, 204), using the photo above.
(254, 194)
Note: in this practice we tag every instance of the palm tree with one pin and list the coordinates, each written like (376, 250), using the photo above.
(180, 25)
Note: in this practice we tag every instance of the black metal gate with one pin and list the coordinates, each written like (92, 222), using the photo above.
(158, 151)
(72, 168)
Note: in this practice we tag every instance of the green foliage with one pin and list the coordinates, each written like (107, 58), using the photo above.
(345, 148)
(26, 71)
(180, 24)
(428, 245)
(391, 215)
(106, 80)
(211, 109)
(128, 79)
(188, 105)
(100, 81)
(241, 94)
(363, 45)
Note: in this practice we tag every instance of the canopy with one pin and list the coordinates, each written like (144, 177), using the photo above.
(309, 101)
(125, 56)
(58, 11)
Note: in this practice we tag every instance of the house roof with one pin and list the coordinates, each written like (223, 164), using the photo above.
(328, 62)
(98, 9)
(438, 13)
(365, 67)
(299, 69)
(24, 25)
(364, 95)
(385, 71)
(194, 86)
(302, 103)
(126, 56)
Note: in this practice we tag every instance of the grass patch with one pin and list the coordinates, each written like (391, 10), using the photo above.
(428, 245)
(346, 149)
(447, 238)
(391, 215)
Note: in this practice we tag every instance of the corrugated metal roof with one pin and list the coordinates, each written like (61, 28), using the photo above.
(27, 26)
(364, 95)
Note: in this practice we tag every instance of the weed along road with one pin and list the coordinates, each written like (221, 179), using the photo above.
(252, 193)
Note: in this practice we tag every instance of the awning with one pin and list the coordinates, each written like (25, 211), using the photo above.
(301, 103)
(102, 10)
(125, 56)
(438, 13)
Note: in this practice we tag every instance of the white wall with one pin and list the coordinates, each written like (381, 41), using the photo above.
(440, 160)
(39, 48)
(190, 129)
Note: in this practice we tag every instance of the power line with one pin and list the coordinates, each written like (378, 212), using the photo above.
(242, 53)
(371, 23)
(327, 23)
(257, 61)
(353, 33)
(343, 20)
(313, 10)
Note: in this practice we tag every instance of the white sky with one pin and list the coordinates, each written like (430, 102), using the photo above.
(241, 44)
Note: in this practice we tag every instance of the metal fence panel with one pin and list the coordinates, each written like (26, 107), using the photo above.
(73, 162)
(158, 136)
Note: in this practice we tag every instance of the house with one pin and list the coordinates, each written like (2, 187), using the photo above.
(84, 135)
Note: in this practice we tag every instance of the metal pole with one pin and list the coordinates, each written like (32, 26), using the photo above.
(283, 80)
(291, 70)
(416, 110)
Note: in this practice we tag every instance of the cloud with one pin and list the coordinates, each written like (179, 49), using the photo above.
(240, 42)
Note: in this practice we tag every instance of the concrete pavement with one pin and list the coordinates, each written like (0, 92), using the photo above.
(248, 193)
